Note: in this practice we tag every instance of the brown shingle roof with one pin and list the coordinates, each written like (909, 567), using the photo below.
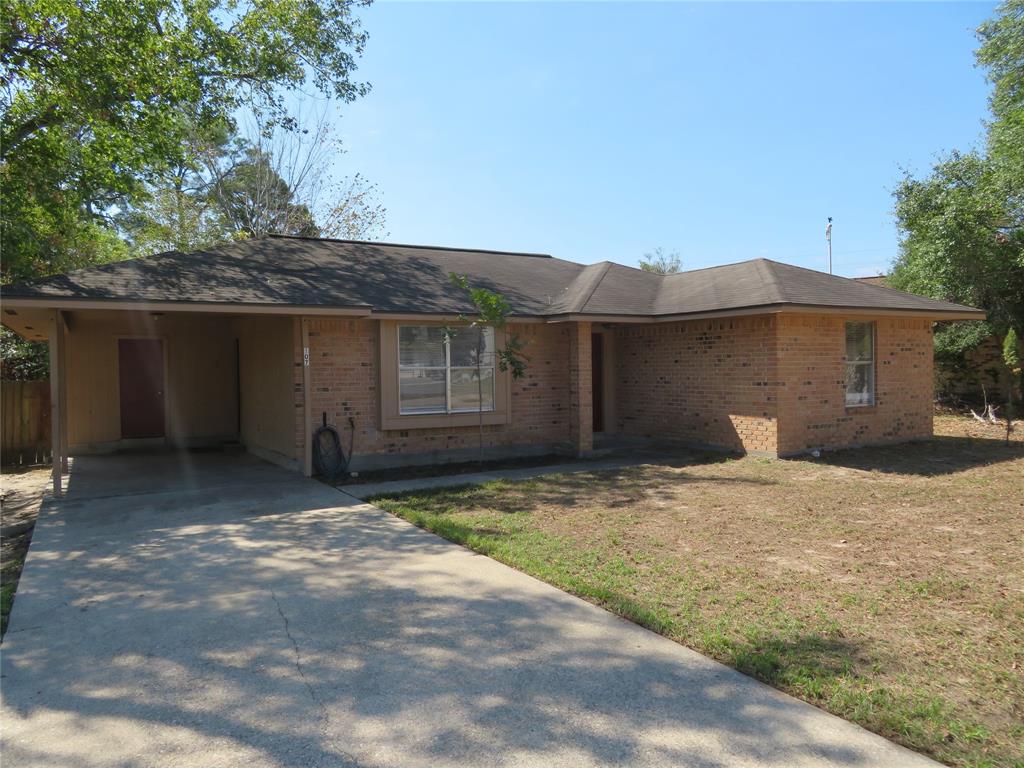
(396, 278)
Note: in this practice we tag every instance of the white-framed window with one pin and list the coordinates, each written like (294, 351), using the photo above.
(860, 364)
(438, 374)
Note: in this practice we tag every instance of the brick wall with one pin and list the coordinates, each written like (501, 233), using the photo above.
(812, 406)
(708, 382)
(345, 383)
(765, 383)
(581, 392)
(771, 383)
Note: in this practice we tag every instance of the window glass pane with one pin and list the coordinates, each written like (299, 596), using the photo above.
(420, 345)
(860, 384)
(421, 391)
(469, 343)
(858, 341)
(465, 392)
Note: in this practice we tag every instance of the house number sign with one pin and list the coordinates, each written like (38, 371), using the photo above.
(305, 357)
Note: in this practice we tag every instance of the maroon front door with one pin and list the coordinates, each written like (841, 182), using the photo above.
(597, 379)
(141, 374)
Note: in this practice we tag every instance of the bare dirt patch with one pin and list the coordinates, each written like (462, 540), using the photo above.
(885, 585)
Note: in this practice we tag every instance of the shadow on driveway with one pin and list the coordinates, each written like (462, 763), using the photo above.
(261, 619)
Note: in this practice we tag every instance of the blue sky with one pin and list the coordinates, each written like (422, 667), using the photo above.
(600, 131)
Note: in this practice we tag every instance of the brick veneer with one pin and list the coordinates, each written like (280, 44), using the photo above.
(345, 383)
(763, 383)
(812, 392)
(707, 382)
(771, 383)
(581, 392)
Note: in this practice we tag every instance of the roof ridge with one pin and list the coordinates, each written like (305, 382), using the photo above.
(606, 267)
(858, 281)
(773, 279)
(408, 245)
(705, 269)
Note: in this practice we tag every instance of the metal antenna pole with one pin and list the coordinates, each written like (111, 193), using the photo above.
(828, 238)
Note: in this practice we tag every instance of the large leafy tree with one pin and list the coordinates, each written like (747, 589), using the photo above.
(177, 212)
(255, 200)
(284, 182)
(230, 188)
(100, 97)
(962, 225)
(1002, 54)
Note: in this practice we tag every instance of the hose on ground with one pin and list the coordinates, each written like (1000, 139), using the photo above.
(329, 459)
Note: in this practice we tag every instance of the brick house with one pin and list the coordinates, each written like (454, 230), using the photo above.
(255, 341)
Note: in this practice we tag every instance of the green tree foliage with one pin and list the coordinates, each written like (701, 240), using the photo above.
(1011, 351)
(255, 200)
(178, 211)
(961, 239)
(661, 263)
(962, 226)
(98, 97)
(280, 182)
(493, 309)
(23, 360)
(1002, 54)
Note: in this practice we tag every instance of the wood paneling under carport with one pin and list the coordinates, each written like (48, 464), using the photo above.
(266, 353)
(201, 394)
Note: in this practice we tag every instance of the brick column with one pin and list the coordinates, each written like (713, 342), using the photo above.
(581, 393)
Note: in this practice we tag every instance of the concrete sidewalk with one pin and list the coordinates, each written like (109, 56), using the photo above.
(249, 617)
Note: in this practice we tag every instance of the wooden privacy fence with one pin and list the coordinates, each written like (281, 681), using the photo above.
(24, 422)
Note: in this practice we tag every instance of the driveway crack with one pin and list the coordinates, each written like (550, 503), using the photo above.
(298, 658)
(300, 668)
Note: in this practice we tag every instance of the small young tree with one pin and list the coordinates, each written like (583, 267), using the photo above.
(492, 310)
(1011, 356)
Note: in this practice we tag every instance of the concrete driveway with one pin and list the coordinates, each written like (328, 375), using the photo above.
(224, 612)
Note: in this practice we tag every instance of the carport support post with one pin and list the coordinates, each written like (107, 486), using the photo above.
(63, 330)
(56, 334)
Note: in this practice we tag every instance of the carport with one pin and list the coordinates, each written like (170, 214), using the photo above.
(164, 377)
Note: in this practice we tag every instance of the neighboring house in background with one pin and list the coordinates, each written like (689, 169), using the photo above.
(978, 373)
(253, 341)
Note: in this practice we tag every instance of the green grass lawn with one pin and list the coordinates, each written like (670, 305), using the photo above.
(884, 585)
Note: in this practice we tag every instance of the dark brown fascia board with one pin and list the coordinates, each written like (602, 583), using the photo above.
(182, 306)
(772, 309)
(367, 311)
(436, 317)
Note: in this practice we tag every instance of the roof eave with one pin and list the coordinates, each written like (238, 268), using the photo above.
(937, 314)
(965, 313)
(148, 305)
